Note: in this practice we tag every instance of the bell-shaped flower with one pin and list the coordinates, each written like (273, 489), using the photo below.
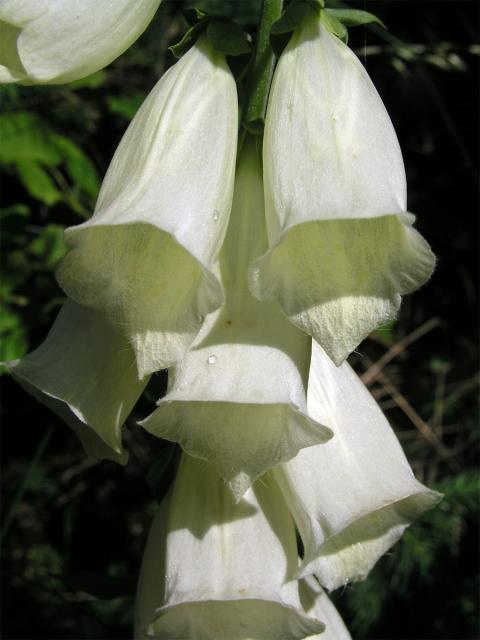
(146, 256)
(341, 246)
(57, 41)
(85, 372)
(214, 568)
(238, 399)
(353, 497)
(316, 604)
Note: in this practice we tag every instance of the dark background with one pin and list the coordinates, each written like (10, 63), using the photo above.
(73, 533)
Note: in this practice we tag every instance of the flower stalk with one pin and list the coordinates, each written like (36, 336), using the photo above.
(261, 72)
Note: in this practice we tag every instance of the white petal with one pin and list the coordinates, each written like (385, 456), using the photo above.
(238, 398)
(56, 41)
(352, 497)
(147, 255)
(85, 372)
(341, 250)
(214, 568)
(316, 603)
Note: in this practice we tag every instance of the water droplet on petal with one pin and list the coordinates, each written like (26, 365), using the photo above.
(216, 214)
(211, 359)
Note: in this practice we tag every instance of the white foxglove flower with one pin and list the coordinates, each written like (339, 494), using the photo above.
(146, 256)
(214, 568)
(57, 41)
(341, 246)
(238, 399)
(353, 497)
(316, 604)
(85, 372)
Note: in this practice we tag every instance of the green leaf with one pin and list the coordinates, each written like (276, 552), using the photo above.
(354, 17)
(18, 209)
(334, 25)
(292, 17)
(24, 138)
(37, 182)
(13, 336)
(92, 81)
(125, 106)
(227, 38)
(49, 246)
(189, 38)
(80, 168)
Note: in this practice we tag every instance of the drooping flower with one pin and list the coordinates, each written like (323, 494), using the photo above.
(85, 372)
(214, 568)
(146, 257)
(341, 247)
(353, 497)
(57, 41)
(238, 399)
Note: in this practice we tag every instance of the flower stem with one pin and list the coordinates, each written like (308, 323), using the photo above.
(261, 71)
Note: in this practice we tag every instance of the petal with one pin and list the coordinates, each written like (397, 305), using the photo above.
(238, 398)
(147, 255)
(316, 603)
(85, 372)
(214, 568)
(341, 249)
(353, 497)
(65, 40)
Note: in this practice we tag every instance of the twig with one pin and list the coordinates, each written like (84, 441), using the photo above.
(424, 429)
(373, 371)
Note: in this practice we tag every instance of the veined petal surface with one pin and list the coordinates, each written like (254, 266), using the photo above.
(57, 41)
(341, 247)
(238, 398)
(214, 568)
(85, 372)
(353, 497)
(147, 255)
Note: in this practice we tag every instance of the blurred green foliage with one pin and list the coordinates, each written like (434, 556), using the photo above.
(73, 533)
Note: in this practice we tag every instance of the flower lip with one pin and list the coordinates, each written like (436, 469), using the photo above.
(85, 372)
(226, 617)
(242, 440)
(130, 289)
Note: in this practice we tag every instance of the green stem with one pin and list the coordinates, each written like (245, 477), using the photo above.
(261, 72)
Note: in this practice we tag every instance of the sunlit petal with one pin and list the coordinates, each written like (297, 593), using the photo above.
(341, 247)
(214, 568)
(84, 371)
(238, 398)
(353, 497)
(147, 255)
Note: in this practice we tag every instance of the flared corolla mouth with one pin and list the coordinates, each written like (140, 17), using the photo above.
(364, 539)
(241, 440)
(147, 283)
(366, 264)
(229, 619)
